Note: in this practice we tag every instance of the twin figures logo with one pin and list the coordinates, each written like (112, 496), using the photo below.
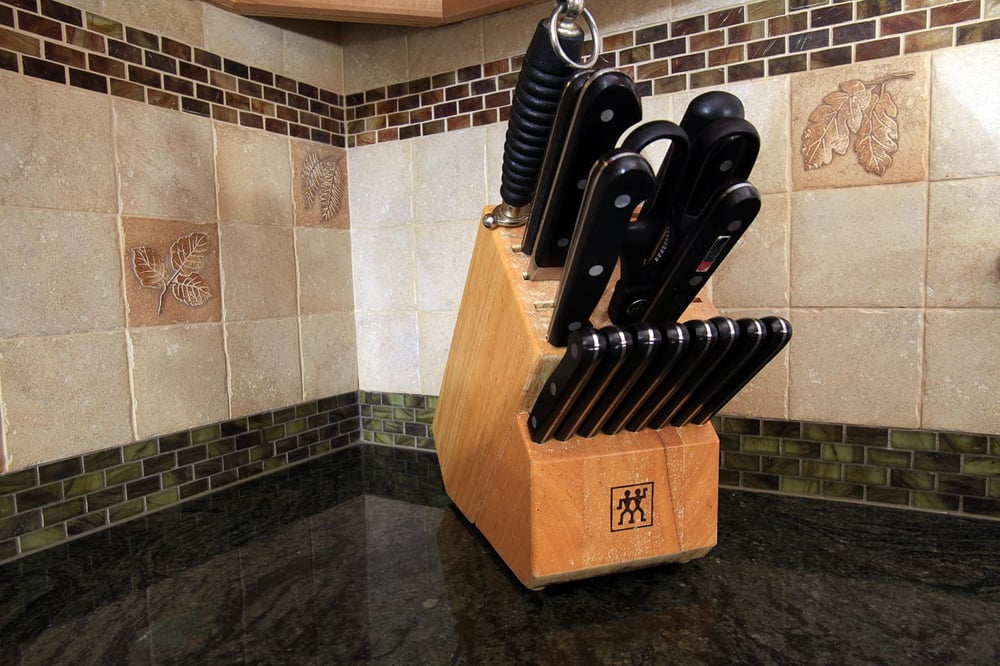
(632, 506)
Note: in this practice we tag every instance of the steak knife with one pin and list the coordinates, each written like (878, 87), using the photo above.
(583, 353)
(608, 105)
(619, 346)
(778, 332)
(709, 241)
(617, 184)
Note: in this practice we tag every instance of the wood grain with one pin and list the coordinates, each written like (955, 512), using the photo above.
(394, 12)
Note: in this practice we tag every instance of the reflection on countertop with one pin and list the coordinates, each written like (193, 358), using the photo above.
(359, 558)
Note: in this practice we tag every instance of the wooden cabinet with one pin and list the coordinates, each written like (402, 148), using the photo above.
(394, 12)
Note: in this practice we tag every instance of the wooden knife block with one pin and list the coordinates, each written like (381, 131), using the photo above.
(558, 511)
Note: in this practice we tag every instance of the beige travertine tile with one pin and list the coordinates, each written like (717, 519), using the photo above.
(180, 19)
(264, 365)
(436, 50)
(508, 33)
(178, 377)
(816, 163)
(313, 53)
(326, 282)
(859, 246)
(962, 378)
(245, 39)
(380, 192)
(154, 251)
(320, 191)
(766, 396)
(254, 172)
(329, 355)
(755, 273)
(374, 56)
(856, 366)
(963, 265)
(57, 150)
(166, 164)
(383, 265)
(60, 272)
(258, 265)
(685, 8)
(496, 135)
(618, 15)
(449, 176)
(658, 107)
(442, 252)
(436, 329)
(388, 351)
(64, 395)
(965, 120)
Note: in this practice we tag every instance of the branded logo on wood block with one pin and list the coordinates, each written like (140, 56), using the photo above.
(632, 506)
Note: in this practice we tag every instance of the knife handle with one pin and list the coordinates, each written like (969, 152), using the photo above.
(583, 353)
(703, 336)
(723, 152)
(708, 107)
(778, 331)
(609, 104)
(673, 347)
(751, 335)
(619, 346)
(646, 340)
(617, 184)
(715, 234)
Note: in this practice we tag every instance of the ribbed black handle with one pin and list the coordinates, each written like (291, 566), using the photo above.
(539, 86)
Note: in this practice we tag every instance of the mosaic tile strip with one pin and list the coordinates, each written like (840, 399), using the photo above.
(921, 469)
(397, 419)
(62, 44)
(54, 502)
(750, 41)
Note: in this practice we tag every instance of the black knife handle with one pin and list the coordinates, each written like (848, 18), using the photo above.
(708, 243)
(619, 346)
(702, 336)
(708, 107)
(751, 336)
(539, 85)
(609, 104)
(778, 331)
(674, 342)
(618, 183)
(723, 152)
(583, 353)
(553, 151)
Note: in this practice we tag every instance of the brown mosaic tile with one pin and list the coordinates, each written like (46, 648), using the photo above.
(485, 117)
(141, 38)
(105, 26)
(726, 56)
(6, 16)
(634, 55)
(765, 9)
(85, 39)
(929, 40)
(875, 8)
(958, 12)
(123, 51)
(669, 48)
(61, 12)
(88, 81)
(16, 41)
(880, 48)
(808, 41)
(784, 25)
(708, 77)
(803, 4)
(707, 40)
(900, 23)
(726, 18)
(43, 70)
(146, 77)
(828, 16)
(8, 60)
(855, 32)
(746, 71)
(765, 48)
(39, 25)
(980, 32)
(687, 63)
(688, 26)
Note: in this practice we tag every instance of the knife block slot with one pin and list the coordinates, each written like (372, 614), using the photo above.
(558, 511)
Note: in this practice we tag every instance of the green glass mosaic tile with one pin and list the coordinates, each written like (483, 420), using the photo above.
(224, 478)
(139, 450)
(843, 490)
(866, 436)
(889, 458)
(260, 421)
(194, 488)
(34, 498)
(822, 432)
(887, 495)
(425, 443)
(768, 445)
(425, 416)
(937, 462)
(43, 538)
(866, 475)
(995, 446)
(176, 477)
(913, 439)
(728, 477)
(798, 485)
(395, 427)
(757, 481)
(405, 440)
(982, 506)
(58, 513)
(21, 523)
(174, 441)
(383, 438)
(102, 459)
(306, 409)
(273, 433)
(206, 434)
(993, 488)
(192, 455)
(60, 470)
(730, 442)
(403, 414)
(158, 464)
(394, 399)
(843, 453)
(982, 466)
(87, 523)
(786, 429)
(162, 499)
(783, 466)
(801, 449)
(7, 506)
(236, 426)
(207, 467)
(741, 461)
(959, 484)
(821, 470)
(296, 426)
(17, 481)
(959, 443)
(83, 484)
(910, 478)
(936, 501)
(739, 426)
(125, 510)
(108, 497)
(221, 447)
(123, 473)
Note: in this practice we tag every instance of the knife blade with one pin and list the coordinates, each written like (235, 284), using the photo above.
(619, 346)
(646, 341)
(708, 243)
(703, 336)
(751, 336)
(583, 353)
(609, 104)
(617, 184)
(778, 332)
(674, 341)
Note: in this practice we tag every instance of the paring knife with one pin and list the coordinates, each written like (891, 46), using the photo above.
(703, 336)
(709, 241)
(619, 346)
(675, 339)
(617, 184)
(608, 105)
(778, 331)
(583, 353)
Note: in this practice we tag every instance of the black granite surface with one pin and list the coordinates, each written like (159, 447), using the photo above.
(359, 558)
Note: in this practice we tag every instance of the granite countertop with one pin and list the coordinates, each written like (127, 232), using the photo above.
(359, 558)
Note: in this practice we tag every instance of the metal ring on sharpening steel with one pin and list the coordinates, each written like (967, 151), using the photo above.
(557, 46)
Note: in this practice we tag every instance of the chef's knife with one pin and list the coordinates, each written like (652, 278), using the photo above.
(609, 104)
(553, 152)
(618, 183)
(646, 340)
(619, 346)
(708, 107)
(675, 339)
(705, 246)
(704, 337)
(583, 353)
(778, 331)
(751, 336)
